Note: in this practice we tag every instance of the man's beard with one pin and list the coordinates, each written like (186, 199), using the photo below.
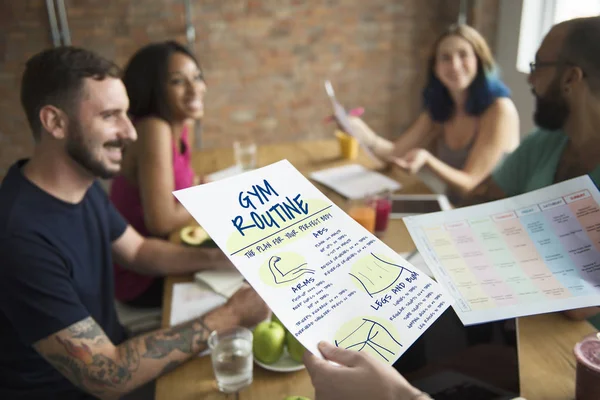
(551, 110)
(79, 150)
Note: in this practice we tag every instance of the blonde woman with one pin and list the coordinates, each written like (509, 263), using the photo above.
(468, 121)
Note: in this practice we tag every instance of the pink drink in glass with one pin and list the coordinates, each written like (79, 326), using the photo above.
(587, 380)
(383, 207)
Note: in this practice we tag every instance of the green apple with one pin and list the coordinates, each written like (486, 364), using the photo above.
(296, 398)
(268, 342)
(276, 320)
(294, 347)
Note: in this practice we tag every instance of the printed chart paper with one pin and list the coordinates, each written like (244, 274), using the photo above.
(322, 274)
(530, 254)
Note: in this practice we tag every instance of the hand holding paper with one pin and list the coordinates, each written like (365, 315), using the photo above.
(355, 127)
(322, 274)
(356, 377)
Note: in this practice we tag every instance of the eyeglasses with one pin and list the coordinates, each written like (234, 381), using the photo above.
(537, 64)
(540, 64)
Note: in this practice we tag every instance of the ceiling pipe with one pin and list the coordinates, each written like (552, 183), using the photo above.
(53, 24)
(62, 16)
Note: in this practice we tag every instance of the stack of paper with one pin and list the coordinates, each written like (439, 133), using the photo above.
(355, 181)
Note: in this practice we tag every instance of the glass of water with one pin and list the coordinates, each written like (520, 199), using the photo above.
(231, 355)
(244, 152)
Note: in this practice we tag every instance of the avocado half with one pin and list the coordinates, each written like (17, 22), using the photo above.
(193, 235)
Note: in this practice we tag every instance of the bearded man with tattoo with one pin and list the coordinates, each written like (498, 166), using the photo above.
(59, 333)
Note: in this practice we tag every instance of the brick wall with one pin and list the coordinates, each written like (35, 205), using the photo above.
(265, 60)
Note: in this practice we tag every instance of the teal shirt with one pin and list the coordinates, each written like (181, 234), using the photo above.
(595, 320)
(533, 164)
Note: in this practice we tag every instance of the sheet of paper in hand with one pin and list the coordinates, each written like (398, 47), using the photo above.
(344, 121)
(534, 253)
(322, 274)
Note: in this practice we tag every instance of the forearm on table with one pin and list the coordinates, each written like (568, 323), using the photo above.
(164, 221)
(407, 142)
(159, 257)
(163, 350)
(85, 355)
(456, 178)
(380, 146)
(419, 134)
(581, 314)
(488, 190)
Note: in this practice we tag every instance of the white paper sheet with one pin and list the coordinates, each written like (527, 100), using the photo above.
(530, 254)
(322, 274)
(224, 173)
(190, 301)
(344, 121)
(354, 181)
(416, 259)
(226, 283)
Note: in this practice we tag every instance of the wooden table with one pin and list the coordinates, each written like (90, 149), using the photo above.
(546, 362)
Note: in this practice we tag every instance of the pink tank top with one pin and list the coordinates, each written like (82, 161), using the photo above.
(126, 198)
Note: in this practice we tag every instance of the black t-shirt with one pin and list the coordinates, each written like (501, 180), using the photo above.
(55, 270)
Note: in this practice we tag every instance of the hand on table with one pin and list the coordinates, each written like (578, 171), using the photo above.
(412, 161)
(199, 180)
(358, 377)
(248, 307)
(580, 314)
(218, 259)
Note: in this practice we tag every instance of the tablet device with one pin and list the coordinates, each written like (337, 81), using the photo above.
(453, 362)
(414, 204)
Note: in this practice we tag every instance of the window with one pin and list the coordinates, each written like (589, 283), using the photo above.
(564, 10)
(538, 17)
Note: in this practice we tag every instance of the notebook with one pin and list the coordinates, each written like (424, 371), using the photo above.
(225, 283)
(224, 173)
(191, 300)
(354, 181)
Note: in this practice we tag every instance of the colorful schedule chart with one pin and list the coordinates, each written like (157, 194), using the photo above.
(530, 254)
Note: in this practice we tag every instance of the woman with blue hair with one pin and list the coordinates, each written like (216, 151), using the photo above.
(468, 123)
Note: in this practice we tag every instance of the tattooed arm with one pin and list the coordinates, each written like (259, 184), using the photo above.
(488, 190)
(85, 355)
